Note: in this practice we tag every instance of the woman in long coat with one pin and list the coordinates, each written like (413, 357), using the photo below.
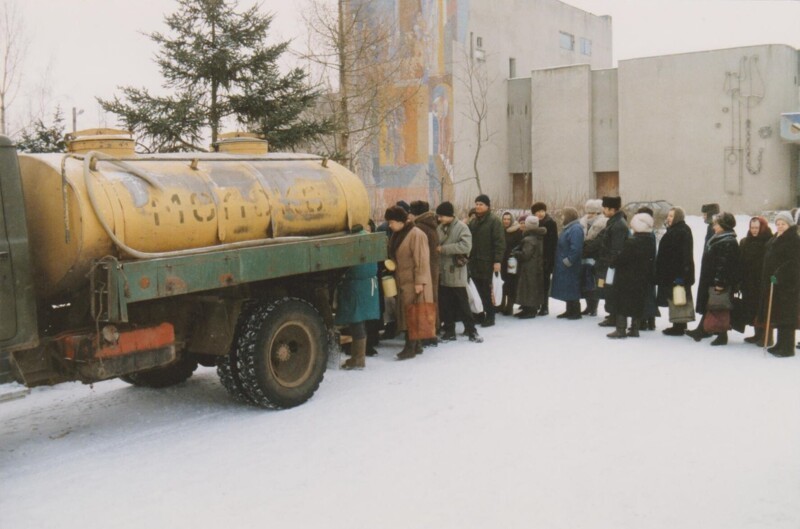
(408, 247)
(357, 302)
(634, 276)
(530, 268)
(720, 269)
(782, 272)
(593, 223)
(514, 236)
(752, 250)
(675, 264)
(567, 274)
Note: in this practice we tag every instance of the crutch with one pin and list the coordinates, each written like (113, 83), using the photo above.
(767, 332)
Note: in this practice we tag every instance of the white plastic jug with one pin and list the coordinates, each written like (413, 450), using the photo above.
(512, 265)
(678, 296)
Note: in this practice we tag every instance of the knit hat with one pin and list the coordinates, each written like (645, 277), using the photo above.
(445, 209)
(593, 205)
(642, 223)
(711, 209)
(538, 206)
(725, 220)
(531, 222)
(418, 207)
(403, 204)
(569, 215)
(396, 213)
(678, 214)
(786, 217)
(483, 199)
(612, 202)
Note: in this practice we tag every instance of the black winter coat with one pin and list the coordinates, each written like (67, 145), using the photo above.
(782, 260)
(634, 274)
(675, 260)
(550, 243)
(721, 267)
(752, 251)
(488, 245)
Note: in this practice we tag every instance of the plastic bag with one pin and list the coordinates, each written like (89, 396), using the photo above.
(497, 289)
(475, 303)
(610, 276)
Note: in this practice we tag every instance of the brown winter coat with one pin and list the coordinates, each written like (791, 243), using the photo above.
(427, 223)
(413, 268)
(530, 268)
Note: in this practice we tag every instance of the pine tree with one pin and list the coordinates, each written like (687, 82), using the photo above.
(217, 64)
(39, 137)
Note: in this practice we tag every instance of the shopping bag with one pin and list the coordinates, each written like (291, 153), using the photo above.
(497, 289)
(719, 300)
(475, 303)
(682, 313)
(717, 321)
(421, 320)
(610, 276)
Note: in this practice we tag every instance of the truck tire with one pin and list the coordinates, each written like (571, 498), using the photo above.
(163, 377)
(228, 366)
(281, 352)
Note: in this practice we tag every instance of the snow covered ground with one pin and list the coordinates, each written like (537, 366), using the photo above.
(547, 424)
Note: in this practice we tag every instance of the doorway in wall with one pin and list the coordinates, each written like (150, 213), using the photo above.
(607, 184)
(522, 190)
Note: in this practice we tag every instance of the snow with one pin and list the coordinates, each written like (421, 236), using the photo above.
(547, 424)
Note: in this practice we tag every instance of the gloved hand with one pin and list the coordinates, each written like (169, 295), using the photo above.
(773, 280)
(679, 281)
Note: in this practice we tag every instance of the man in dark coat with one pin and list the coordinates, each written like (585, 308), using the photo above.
(424, 219)
(550, 243)
(708, 211)
(675, 263)
(612, 240)
(488, 246)
(782, 273)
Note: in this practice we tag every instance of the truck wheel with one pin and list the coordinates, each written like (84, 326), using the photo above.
(163, 377)
(228, 365)
(281, 353)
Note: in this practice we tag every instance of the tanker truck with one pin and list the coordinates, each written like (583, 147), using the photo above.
(142, 267)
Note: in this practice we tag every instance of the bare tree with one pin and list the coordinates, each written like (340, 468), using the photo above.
(12, 47)
(362, 61)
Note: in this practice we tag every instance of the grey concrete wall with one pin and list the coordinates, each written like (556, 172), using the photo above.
(519, 125)
(605, 121)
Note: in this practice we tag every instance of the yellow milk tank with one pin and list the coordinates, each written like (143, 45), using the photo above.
(162, 203)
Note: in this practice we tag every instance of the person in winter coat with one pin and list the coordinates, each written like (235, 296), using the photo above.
(593, 222)
(357, 302)
(612, 240)
(455, 243)
(675, 264)
(424, 219)
(752, 249)
(633, 276)
(708, 211)
(408, 248)
(513, 238)
(530, 268)
(651, 311)
(781, 273)
(567, 275)
(720, 269)
(550, 242)
(488, 247)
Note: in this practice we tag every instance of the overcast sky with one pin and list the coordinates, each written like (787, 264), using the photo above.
(90, 47)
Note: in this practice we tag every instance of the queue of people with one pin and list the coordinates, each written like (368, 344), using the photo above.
(454, 265)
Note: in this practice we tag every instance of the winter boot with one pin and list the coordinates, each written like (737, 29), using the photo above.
(698, 333)
(449, 334)
(389, 330)
(648, 324)
(591, 307)
(526, 313)
(609, 321)
(357, 353)
(633, 332)
(474, 336)
(574, 310)
(409, 350)
(785, 346)
(418, 347)
(621, 323)
(677, 329)
(721, 339)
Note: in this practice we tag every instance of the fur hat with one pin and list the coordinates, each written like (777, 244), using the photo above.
(711, 209)
(786, 217)
(569, 215)
(678, 214)
(642, 223)
(593, 205)
(725, 220)
(418, 207)
(396, 213)
(538, 206)
(403, 204)
(531, 222)
(612, 202)
(483, 199)
(445, 209)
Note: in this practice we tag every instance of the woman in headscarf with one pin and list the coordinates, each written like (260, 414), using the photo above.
(593, 222)
(752, 250)
(675, 264)
(513, 232)
(530, 268)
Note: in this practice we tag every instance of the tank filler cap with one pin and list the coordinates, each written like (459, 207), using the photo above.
(241, 143)
(115, 142)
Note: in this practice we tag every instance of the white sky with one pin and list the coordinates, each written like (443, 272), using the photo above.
(93, 46)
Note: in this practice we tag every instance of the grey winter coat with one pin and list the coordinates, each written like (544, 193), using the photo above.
(454, 239)
(530, 268)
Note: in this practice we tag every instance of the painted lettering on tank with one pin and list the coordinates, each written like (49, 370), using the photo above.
(202, 199)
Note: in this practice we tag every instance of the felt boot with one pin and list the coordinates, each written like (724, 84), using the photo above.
(358, 351)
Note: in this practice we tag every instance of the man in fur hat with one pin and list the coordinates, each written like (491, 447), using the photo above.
(612, 240)
(550, 242)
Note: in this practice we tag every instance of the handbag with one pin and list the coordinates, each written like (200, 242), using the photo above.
(421, 320)
(719, 300)
(497, 289)
(717, 321)
(475, 303)
(682, 313)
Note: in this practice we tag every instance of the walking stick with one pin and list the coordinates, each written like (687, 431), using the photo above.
(767, 331)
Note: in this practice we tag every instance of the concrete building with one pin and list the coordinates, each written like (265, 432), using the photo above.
(689, 128)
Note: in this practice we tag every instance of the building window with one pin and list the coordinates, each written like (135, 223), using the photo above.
(479, 42)
(512, 68)
(566, 41)
(586, 46)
